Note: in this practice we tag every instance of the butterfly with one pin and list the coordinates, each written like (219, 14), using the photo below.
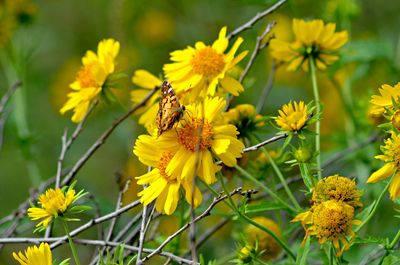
(170, 111)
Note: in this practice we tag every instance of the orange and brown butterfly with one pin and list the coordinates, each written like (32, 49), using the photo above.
(170, 111)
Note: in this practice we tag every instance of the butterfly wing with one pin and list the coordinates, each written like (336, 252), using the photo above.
(170, 111)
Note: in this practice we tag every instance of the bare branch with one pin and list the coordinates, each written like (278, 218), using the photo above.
(267, 88)
(259, 145)
(251, 22)
(102, 139)
(4, 100)
(206, 213)
(96, 221)
(258, 47)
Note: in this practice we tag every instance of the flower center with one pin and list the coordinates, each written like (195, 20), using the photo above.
(392, 147)
(53, 201)
(163, 163)
(208, 62)
(189, 135)
(85, 77)
(333, 219)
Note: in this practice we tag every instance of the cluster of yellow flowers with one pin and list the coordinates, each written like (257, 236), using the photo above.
(200, 78)
(190, 133)
(387, 105)
(331, 217)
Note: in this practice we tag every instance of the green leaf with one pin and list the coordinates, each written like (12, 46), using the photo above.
(302, 254)
(392, 259)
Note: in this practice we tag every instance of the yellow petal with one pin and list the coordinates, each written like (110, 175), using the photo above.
(382, 173)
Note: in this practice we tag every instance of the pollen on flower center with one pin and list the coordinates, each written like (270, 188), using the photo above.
(333, 219)
(163, 163)
(189, 136)
(85, 77)
(53, 201)
(392, 149)
(208, 62)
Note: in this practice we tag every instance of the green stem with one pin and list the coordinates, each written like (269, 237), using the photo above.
(227, 192)
(394, 241)
(305, 174)
(71, 244)
(265, 229)
(374, 209)
(262, 186)
(282, 179)
(318, 110)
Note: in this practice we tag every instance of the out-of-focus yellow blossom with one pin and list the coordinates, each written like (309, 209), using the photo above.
(217, 138)
(147, 82)
(292, 117)
(245, 118)
(162, 186)
(35, 255)
(391, 157)
(53, 203)
(384, 101)
(313, 39)
(200, 69)
(91, 79)
(156, 27)
(337, 188)
(265, 242)
(330, 221)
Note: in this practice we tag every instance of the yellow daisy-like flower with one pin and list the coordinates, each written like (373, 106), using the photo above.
(384, 101)
(313, 39)
(337, 188)
(245, 118)
(91, 79)
(53, 202)
(391, 157)
(330, 221)
(216, 139)
(202, 68)
(162, 187)
(263, 240)
(147, 82)
(292, 117)
(35, 255)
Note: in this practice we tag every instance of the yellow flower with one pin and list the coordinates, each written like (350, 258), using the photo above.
(330, 221)
(245, 119)
(146, 81)
(384, 101)
(91, 79)
(35, 255)
(314, 40)
(162, 186)
(337, 188)
(53, 203)
(217, 138)
(391, 157)
(292, 117)
(265, 242)
(202, 68)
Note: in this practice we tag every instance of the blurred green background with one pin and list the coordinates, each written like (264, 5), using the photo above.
(43, 50)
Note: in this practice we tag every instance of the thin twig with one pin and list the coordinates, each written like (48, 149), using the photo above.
(102, 139)
(6, 97)
(66, 143)
(259, 145)
(258, 47)
(36, 241)
(206, 213)
(252, 21)
(96, 221)
(142, 232)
